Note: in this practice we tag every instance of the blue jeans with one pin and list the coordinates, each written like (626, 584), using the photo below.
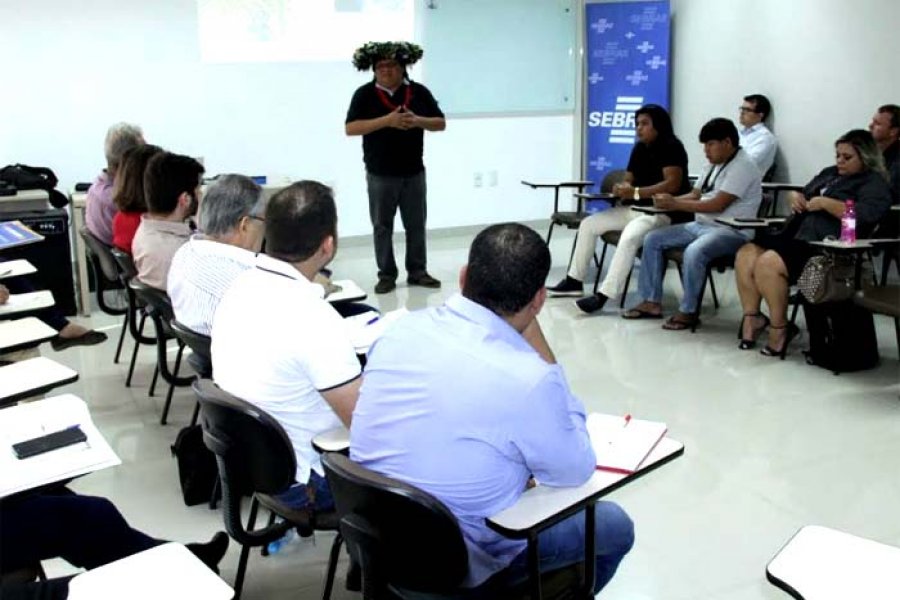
(702, 242)
(314, 494)
(563, 545)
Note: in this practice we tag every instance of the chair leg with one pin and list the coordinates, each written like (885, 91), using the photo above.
(897, 331)
(712, 288)
(625, 291)
(332, 566)
(216, 492)
(264, 551)
(572, 252)
(165, 413)
(196, 414)
(121, 339)
(550, 232)
(152, 389)
(599, 266)
(134, 352)
(791, 322)
(245, 551)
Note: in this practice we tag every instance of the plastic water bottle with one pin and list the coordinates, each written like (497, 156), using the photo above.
(848, 222)
(277, 545)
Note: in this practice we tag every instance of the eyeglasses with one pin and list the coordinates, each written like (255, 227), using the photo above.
(745, 109)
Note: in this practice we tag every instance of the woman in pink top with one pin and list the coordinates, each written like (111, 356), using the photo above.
(129, 195)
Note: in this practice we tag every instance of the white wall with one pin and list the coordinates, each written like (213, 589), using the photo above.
(826, 65)
(79, 67)
(71, 69)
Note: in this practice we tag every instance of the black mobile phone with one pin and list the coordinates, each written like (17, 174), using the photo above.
(51, 441)
(747, 220)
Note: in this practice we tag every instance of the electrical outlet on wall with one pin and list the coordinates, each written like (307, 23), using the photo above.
(492, 178)
(478, 179)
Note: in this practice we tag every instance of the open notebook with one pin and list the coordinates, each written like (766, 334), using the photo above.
(621, 444)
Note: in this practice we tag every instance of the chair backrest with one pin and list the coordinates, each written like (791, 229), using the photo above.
(155, 298)
(401, 535)
(253, 452)
(611, 179)
(197, 342)
(100, 254)
(125, 262)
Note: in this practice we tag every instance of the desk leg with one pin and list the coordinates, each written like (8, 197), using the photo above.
(590, 563)
(81, 276)
(534, 567)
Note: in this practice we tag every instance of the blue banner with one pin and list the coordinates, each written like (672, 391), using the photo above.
(627, 48)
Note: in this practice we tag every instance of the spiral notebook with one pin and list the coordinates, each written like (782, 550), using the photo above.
(622, 444)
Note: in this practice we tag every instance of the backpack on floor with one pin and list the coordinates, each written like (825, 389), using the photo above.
(197, 470)
(841, 336)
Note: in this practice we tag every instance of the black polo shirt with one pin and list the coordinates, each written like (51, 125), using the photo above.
(392, 151)
(647, 162)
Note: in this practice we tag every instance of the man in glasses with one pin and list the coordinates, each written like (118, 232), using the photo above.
(756, 139)
(391, 113)
(231, 223)
(729, 186)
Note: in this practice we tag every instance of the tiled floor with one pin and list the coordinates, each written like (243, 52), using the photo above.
(770, 446)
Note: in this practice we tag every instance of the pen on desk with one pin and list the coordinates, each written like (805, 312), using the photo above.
(627, 421)
(373, 319)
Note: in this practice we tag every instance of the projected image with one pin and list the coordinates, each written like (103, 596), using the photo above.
(297, 30)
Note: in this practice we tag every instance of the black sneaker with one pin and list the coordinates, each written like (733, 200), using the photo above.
(424, 280)
(88, 339)
(385, 285)
(593, 303)
(567, 287)
(212, 551)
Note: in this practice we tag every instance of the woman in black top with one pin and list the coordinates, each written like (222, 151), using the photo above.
(766, 267)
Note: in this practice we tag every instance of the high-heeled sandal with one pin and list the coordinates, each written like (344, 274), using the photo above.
(792, 332)
(749, 344)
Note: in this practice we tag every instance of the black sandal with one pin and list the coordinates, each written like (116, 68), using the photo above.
(749, 344)
(792, 332)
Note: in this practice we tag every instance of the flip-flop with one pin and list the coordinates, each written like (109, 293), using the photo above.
(676, 324)
(636, 313)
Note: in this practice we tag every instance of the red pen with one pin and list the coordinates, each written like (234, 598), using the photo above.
(627, 421)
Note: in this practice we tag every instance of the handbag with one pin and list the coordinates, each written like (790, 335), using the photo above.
(832, 277)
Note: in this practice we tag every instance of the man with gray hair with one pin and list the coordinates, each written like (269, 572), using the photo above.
(100, 208)
(231, 232)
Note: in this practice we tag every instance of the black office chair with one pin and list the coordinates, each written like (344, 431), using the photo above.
(128, 272)
(201, 357)
(882, 300)
(255, 457)
(106, 278)
(407, 542)
(158, 307)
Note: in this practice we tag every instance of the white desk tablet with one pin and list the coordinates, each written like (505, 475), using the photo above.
(819, 563)
(16, 268)
(27, 302)
(169, 571)
(333, 440)
(31, 377)
(23, 332)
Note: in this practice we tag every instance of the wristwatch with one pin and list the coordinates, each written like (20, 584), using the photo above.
(637, 193)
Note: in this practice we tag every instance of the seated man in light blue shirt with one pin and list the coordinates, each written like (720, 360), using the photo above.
(466, 402)
(756, 139)
(729, 186)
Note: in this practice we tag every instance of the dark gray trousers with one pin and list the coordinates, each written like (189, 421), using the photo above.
(386, 195)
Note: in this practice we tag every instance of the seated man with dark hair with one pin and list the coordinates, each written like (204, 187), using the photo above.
(466, 402)
(172, 191)
(756, 139)
(278, 344)
(885, 129)
(729, 186)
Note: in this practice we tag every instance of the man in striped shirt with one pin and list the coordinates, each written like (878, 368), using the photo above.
(231, 221)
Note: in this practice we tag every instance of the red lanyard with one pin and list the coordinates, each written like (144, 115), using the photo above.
(387, 101)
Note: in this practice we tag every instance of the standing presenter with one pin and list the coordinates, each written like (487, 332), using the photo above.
(391, 112)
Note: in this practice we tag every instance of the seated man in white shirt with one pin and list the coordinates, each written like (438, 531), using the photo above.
(755, 138)
(231, 231)
(277, 343)
(172, 190)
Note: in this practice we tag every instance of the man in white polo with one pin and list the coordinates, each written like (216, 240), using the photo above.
(277, 343)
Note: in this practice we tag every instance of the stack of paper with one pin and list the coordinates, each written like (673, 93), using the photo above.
(621, 444)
